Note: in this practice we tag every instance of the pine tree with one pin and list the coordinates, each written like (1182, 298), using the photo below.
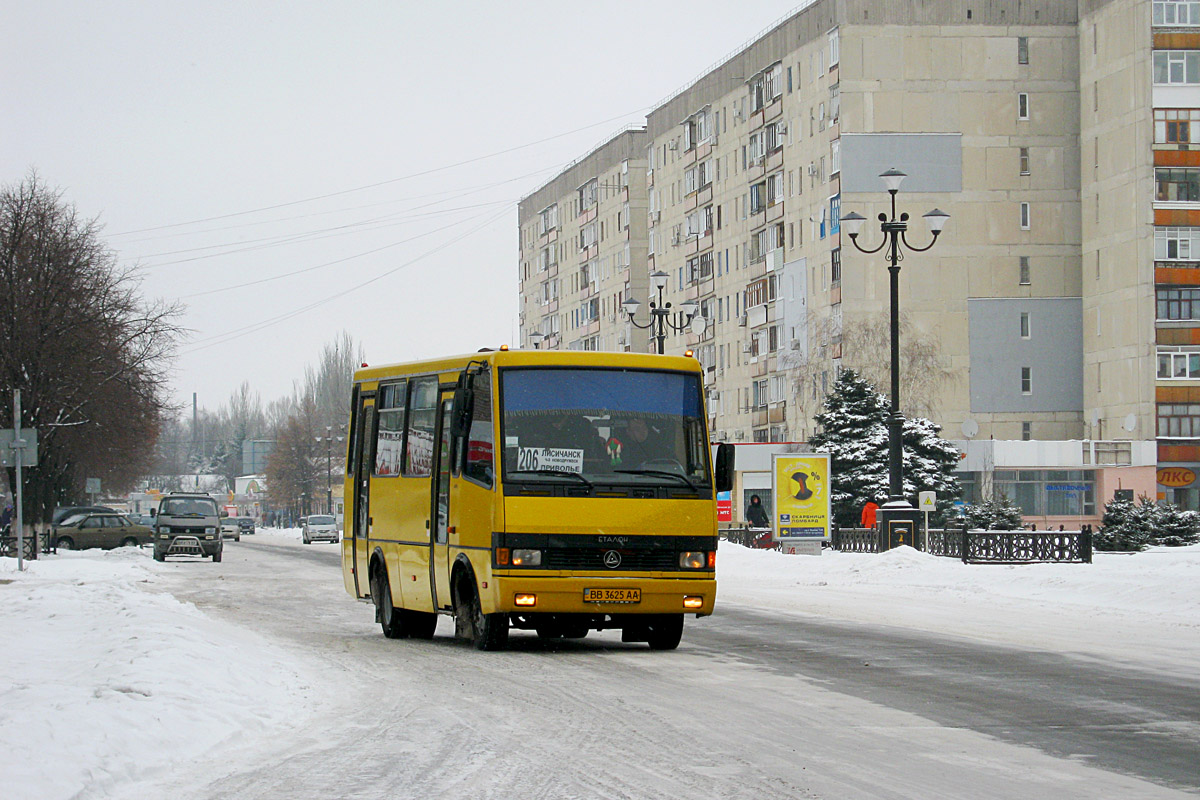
(854, 432)
(994, 515)
(1176, 527)
(1125, 526)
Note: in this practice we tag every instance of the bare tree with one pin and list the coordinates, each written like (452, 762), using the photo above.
(924, 371)
(89, 356)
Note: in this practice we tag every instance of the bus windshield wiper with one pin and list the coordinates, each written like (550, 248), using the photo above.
(554, 472)
(676, 475)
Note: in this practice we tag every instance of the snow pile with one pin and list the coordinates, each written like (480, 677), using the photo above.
(1144, 605)
(103, 681)
(295, 534)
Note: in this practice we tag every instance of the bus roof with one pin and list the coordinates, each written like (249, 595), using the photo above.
(522, 358)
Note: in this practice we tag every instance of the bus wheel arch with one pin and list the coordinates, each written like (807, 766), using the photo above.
(485, 631)
(389, 617)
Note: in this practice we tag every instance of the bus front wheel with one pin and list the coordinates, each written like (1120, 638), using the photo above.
(665, 632)
(486, 631)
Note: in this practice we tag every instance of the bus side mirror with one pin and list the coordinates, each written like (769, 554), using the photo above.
(724, 467)
(464, 404)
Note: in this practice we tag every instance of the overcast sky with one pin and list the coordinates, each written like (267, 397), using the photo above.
(292, 170)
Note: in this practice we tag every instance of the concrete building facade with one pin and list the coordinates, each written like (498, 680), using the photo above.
(1049, 331)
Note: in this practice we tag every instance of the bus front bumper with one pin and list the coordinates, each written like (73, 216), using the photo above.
(555, 595)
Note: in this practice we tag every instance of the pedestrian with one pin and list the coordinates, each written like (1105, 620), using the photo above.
(756, 515)
(867, 519)
(6, 517)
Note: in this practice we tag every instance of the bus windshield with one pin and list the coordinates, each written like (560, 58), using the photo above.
(603, 425)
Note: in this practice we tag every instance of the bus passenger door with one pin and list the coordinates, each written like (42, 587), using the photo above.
(360, 528)
(439, 556)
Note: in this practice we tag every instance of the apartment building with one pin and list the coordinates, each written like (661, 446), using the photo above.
(1056, 134)
(583, 250)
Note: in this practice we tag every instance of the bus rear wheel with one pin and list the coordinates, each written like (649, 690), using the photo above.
(665, 632)
(390, 618)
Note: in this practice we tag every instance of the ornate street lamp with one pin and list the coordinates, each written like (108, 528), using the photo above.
(660, 313)
(894, 233)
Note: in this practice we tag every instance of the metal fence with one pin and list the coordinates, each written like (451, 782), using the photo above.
(1012, 547)
(982, 547)
(855, 540)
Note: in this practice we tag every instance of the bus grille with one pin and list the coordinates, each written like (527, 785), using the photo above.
(631, 560)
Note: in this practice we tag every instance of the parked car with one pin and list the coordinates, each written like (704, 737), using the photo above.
(106, 530)
(187, 523)
(230, 529)
(62, 512)
(319, 526)
(245, 524)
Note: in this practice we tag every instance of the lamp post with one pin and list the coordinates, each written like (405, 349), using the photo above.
(660, 313)
(329, 439)
(894, 231)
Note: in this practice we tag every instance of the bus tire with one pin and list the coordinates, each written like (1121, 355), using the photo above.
(486, 631)
(665, 632)
(420, 624)
(391, 619)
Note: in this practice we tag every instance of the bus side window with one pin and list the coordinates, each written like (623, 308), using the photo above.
(480, 445)
(418, 438)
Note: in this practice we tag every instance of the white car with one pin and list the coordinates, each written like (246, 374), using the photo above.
(319, 526)
(230, 529)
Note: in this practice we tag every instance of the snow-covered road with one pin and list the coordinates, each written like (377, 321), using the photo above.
(756, 703)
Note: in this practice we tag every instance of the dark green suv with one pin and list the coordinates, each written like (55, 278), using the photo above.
(187, 524)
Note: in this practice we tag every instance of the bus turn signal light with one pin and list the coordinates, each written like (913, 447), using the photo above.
(502, 556)
(528, 600)
(693, 602)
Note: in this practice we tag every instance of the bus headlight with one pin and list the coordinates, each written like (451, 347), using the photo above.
(693, 559)
(522, 557)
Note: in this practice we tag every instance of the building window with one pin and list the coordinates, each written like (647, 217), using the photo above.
(835, 269)
(1023, 106)
(1176, 12)
(1178, 304)
(1176, 244)
(1023, 270)
(1026, 380)
(1025, 326)
(1047, 492)
(1024, 216)
(1178, 365)
(1023, 160)
(1177, 67)
(1175, 125)
(1022, 49)
(1026, 431)
(1178, 420)
(1177, 185)
(833, 48)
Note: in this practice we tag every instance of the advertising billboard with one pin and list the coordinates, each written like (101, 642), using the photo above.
(800, 484)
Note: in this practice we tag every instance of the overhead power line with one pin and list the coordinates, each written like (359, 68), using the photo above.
(409, 176)
(213, 341)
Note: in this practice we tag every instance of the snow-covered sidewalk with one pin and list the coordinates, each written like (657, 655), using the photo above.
(104, 682)
(1142, 609)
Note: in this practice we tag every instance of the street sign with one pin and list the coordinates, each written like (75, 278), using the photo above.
(927, 501)
(29, 449)
(92, 485)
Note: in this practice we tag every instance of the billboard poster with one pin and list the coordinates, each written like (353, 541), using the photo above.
(724, 506)
(800, 483)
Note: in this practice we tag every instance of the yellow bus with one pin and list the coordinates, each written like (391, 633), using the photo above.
(558, 492)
